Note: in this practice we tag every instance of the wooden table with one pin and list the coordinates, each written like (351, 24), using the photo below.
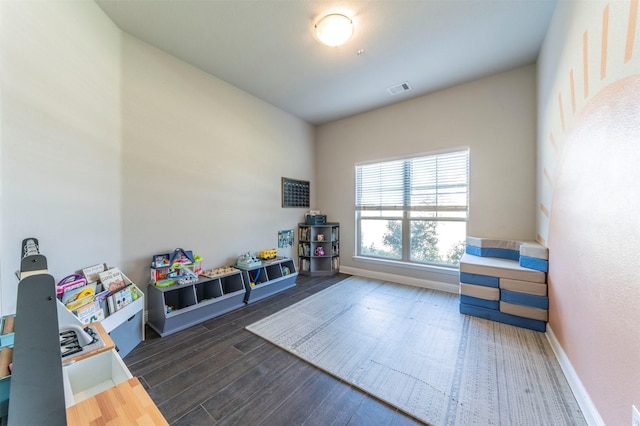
(124, 404)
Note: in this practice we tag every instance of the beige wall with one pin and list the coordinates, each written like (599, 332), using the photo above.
(60, 141)
(113, 151)
(588, 198)
(494, 116)
(202, 163)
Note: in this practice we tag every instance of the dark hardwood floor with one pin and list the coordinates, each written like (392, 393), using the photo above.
(217, 373)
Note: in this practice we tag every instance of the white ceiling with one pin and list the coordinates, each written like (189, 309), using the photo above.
(267, 48)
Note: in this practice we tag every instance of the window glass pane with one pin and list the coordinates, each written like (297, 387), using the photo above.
(437, 241)
(427, 196)
(381, 238)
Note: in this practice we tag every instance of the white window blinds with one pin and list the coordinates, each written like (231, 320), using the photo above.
(437, 183)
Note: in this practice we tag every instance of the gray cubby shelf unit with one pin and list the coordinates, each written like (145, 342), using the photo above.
(310, 263)
(270, 277)
(194, 303)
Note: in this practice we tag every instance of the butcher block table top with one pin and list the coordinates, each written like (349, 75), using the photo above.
(125, 404)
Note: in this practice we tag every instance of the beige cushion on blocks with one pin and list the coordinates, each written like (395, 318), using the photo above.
(501, 268)
(534, 249)
(523, 287)
(490, 243)
(524, 311)
(480, 291)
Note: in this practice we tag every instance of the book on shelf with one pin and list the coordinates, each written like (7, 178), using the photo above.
(89, 313)
(66, 287)
(304, 265)
(304, 249)
(79, 296)
(122, 298)
(112, 279)
(303, 234)
(92, 272)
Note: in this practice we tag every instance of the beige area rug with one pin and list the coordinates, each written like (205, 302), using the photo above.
(411, 348)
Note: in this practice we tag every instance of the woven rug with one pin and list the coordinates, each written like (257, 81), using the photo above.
(411, 348)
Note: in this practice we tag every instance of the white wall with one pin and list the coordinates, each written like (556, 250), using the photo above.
(113, 151)
(60, 141)
(494, 116)
(203, 163)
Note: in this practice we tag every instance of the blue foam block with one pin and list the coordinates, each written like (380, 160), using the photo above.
(493, 252)
(483, 303)
(478, 279)
(492, 315)
(534, 263)
(524, 299)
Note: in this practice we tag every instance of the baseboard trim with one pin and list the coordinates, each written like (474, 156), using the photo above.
(416, 282)
(591, 414)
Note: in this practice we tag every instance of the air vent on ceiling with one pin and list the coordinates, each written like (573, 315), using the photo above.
(399, 88)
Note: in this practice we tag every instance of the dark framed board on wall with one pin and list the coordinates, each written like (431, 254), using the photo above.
(295, 193)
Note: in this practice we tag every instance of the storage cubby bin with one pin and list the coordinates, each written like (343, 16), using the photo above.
(255, 276)
(321, 263)
(208, 290)
(180, 298)
(194, 302)
(93, 375)
(232, 283)
(128, 334)
(288, 267)
(274, 271)
(270, 278)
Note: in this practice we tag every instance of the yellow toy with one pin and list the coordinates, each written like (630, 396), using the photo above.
(268, 254)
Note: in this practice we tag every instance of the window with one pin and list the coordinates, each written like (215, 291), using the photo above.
(414, 209)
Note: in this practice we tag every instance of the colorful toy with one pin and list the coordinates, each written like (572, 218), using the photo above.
(247, 260)
(268, 254)
(320, 251)
(223, 270)
(179, 266)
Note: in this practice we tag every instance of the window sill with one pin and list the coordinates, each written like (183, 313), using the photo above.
(446, 270)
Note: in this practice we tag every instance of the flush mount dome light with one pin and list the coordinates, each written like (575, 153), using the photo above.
(334, 30)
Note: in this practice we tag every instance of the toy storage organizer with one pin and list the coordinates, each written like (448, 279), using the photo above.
(177, 307)
(271, 277)
(125, 326)
(180, 306)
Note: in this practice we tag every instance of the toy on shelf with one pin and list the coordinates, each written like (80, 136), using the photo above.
(180, 266)
(268, 254)
(319, 251)
(217, 272)
(248, 260)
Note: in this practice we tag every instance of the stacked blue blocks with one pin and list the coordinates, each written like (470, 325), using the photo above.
(505, 281)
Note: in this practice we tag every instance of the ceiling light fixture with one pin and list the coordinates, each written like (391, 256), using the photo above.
(334, 29)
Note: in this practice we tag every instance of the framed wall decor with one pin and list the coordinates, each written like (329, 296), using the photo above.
(295, 193)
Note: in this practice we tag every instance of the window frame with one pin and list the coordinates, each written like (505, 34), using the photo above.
(406, 218)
